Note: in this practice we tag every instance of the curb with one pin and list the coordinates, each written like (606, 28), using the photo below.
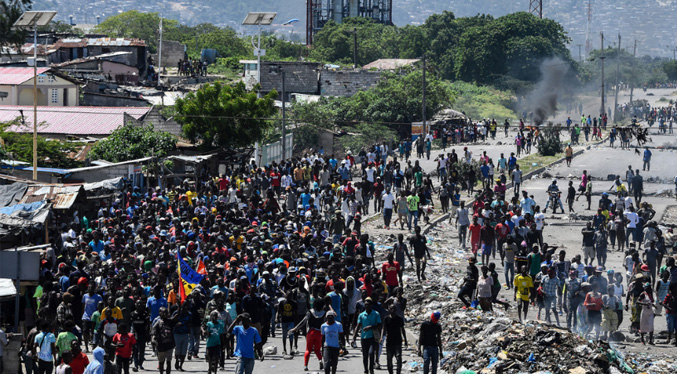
(434, 223)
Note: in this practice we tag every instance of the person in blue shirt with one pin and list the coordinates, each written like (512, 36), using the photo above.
(90, 301)
(647, 160)
(332, 334)
(368, 325)
(156, 302)
(248, 342)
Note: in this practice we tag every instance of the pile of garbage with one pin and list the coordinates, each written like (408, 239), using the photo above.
(494, 342)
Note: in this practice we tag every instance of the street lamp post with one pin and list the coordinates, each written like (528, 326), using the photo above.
(259, 19)
(34, 19)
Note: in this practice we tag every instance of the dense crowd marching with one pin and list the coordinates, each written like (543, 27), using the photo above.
(282, 251)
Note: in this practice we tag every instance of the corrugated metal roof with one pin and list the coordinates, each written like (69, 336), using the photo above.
(62, 197)
(117, 42)
(80, 120)
(17, 75)
(390, 63)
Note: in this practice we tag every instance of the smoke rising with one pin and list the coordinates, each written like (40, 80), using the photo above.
(543, 99)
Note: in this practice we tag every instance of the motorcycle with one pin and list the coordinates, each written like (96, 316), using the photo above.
(554, 201)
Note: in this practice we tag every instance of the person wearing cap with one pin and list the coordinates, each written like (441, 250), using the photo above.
(368, 325)
(593, 305)
(430, 343)
(332, 335)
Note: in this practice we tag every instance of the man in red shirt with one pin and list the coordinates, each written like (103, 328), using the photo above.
(223, 183)
(502, 232)
(391, 273)
(123, 342)
(80, 360)
(474, 229)
(275, 182)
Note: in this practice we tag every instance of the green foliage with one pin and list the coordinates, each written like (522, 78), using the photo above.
(397, 98)
(61, 27)
(306, 136)
(225, 116)
(51, 153)
(135, 24)
(366, 135)
(132, 142)
(549, 143)
(10, 11)
(334, 43)
(670, 69)
(479, 102)
(512, 45)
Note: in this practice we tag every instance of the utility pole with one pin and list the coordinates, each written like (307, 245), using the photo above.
(632, 82)
(580, 57)
(284, 117)
(602, 58)
(425, 130)
(618, 72)
(159, 55)
(355, 48)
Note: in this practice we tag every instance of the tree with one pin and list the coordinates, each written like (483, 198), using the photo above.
(10, 11)
(367, 135)
(334, 43)
(670, 69)
(133, 142)
(225, 116)
(135, 24)
(51, 152)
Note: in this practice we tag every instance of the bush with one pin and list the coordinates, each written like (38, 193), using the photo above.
(549, 143)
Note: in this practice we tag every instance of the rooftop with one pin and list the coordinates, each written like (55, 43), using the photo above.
(390, 63)
(80, 120)
(18, 75)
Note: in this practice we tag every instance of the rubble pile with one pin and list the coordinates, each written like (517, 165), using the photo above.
(479, 342)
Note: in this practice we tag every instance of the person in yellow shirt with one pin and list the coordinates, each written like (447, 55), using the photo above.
(569, 153)
(111, 310)
(190, 195)
(523, 285)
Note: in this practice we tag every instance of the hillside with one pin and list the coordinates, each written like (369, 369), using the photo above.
(650, 21)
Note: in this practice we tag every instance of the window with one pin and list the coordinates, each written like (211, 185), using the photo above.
(55, 96)
(51, 79)
(41, 79)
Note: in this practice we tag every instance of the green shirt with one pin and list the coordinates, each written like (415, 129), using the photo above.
(419, 178)
(214, 331)
(63, 341)
(412, 202)
(371, 319)
(96, 318)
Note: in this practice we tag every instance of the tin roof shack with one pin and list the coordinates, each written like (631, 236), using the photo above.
(106, 67)
(137, 47)
(64, 201)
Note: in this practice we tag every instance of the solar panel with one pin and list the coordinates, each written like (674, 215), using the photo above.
(259, 18)
(35, 18)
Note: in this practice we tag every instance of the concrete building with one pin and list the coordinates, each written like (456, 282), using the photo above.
(319, 12)
(54, 89)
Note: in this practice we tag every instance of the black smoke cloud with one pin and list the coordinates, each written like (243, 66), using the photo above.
(543, 99)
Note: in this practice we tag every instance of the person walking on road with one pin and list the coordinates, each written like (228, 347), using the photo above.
(332, 335)
(248, 341)
(430, 343)
(637, 187)
(646, 166)
(393, 327)
(368, 325)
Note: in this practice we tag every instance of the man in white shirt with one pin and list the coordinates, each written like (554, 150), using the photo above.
(633, 220)
(388, 199)
(539, 220)
(527, 204)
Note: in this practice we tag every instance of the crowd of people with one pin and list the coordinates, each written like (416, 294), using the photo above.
(281, 250)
